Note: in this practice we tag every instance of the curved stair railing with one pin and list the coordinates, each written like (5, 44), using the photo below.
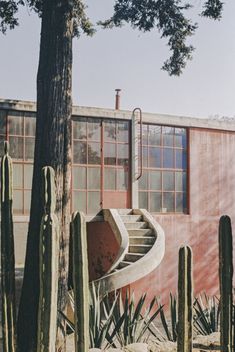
(142, 247)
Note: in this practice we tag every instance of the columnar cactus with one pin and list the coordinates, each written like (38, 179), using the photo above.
(226, 282)
(7, 255)
(185, 299)
(80, 282)
(48, 267)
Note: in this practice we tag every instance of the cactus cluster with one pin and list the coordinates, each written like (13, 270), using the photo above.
(185, 300)
(7, 255)
(48, 266)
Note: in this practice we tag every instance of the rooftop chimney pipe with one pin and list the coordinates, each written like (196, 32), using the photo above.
(117, 100)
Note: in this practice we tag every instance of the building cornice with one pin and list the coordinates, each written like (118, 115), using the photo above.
(163, 119)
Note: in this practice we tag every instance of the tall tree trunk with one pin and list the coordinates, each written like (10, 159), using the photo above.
(52, 148)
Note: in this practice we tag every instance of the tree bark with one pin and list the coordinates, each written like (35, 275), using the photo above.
(52, 148)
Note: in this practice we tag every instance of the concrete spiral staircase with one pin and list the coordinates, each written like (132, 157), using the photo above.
(142, 246)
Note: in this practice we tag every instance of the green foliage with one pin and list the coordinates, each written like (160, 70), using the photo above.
(132, 321)
(213, 9)
(170, 329)
(10, 9)
(100, 317)
(168, 16)
(206, 315)
(116, 322)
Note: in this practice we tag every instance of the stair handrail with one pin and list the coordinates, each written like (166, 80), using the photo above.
(115, 221)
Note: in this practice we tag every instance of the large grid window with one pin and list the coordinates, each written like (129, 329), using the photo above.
(19, 129)
(100, 163)
(86, 165)
(163, 185)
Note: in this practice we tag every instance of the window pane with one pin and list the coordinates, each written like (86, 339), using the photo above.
(28, 175)
(122, 179)
(154, 135)
(154, 157)
(168, 158)
(79, 152)
(30, 126)
(29, 148)
(27, 201)
(109, 178)
(144, 134)
(2, 139)
(79, 177)
(143, 200)
(93, 129)
(17, 175)
(180, 137)
(109, 131)
(168, 136)
(123, 154)
(180, 159)
(16, 147)
(17, 202)
(168, 202)
(93, 202)
(180, 181)
(109, 154)
(15, 123)
(123, 131)
(143, 181)
(93, 153)
(79, 129)
(93, 177)
(79, 201)
(144, 156)
(3, 122)
(155, 180)
(181, 202)
(168, 181)
(155, 201)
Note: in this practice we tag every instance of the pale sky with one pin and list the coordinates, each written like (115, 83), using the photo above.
(131, 60)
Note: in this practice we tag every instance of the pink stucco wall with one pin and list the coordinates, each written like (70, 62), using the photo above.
(212, 194)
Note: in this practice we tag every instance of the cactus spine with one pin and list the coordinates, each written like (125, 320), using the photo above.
(80, 282)
(185, 299)
(7, 255)
(48, 266)
(225, 279)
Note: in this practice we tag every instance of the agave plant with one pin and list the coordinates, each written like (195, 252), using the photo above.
(100, 316)
(132, 321)
(206, 314)
(170, 328)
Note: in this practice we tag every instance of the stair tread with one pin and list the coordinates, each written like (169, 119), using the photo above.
(135, 254)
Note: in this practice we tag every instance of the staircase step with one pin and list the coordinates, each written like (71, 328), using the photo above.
(140, 232)
(133, 257)
(142, 240)
(131, 218)
(124, 211)
(139, 248)
(136, 225)
(123, 264)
